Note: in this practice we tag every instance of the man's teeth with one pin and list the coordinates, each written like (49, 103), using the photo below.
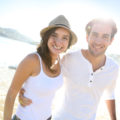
(97, 47)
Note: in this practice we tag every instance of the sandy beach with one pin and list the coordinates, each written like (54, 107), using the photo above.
(6, 75)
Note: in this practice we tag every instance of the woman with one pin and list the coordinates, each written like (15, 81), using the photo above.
(40, 74)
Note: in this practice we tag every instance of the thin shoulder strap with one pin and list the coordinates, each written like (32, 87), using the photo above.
(39, 60)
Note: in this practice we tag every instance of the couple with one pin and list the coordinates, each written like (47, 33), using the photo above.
(87, 73)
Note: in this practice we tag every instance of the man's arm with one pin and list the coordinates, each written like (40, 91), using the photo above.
(111, 108)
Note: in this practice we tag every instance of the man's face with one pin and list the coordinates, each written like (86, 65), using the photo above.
(99, 39)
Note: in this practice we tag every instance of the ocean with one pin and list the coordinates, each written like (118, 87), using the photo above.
(13, 51)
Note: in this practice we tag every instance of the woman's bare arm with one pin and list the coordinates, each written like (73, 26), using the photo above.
(24, 70)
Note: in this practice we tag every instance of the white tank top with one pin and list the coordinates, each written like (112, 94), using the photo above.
(41, 90)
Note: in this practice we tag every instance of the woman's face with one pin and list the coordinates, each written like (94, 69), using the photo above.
(58, 41)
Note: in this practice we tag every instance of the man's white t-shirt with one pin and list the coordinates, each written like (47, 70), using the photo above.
(84, 88)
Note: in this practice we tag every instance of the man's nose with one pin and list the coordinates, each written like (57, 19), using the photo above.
(98, 40)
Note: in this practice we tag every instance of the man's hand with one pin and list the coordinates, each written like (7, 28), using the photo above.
(111, 109)
(23, 100)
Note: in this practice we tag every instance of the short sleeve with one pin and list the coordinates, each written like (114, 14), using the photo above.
(109, 93)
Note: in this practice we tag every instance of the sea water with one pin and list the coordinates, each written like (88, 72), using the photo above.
(13, 51)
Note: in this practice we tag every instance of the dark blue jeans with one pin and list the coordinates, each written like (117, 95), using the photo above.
(49, 118)
(15, 118)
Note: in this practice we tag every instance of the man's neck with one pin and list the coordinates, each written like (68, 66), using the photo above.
(96, 61)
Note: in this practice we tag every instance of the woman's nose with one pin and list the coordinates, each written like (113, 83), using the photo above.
(59, 40)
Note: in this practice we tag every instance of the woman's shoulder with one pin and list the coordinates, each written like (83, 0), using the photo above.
(32, 57)
(31, 60)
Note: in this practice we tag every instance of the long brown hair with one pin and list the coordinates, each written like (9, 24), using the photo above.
(43, 50)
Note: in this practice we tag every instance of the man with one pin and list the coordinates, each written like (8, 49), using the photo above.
(88, 73)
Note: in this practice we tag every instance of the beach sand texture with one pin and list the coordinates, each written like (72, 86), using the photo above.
(6, 76)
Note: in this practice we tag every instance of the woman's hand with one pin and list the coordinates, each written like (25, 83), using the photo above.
(22, 99)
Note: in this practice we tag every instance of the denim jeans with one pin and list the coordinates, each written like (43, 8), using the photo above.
(15, 118)
(49, 118)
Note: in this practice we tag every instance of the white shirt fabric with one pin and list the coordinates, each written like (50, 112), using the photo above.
(83, 87)
(41, 90)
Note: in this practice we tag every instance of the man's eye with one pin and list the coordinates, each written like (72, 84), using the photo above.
(105, 37)
(94, 35)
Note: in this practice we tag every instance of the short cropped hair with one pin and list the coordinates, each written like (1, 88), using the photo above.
(102, 21)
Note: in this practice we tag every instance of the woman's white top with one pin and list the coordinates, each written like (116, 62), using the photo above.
(41, 90)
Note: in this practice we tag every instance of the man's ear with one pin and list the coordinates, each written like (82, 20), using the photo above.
(111, 40)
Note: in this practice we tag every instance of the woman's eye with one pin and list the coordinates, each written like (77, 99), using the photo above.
(53, 35)
(65, 38)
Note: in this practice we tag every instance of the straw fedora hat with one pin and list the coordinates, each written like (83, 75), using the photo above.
(60, 21)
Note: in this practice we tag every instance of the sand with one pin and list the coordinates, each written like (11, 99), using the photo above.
(6, 76)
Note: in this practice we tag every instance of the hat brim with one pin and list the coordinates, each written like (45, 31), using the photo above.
(74, 37)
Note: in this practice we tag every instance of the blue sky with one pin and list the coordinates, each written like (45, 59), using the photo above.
(30, 16)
